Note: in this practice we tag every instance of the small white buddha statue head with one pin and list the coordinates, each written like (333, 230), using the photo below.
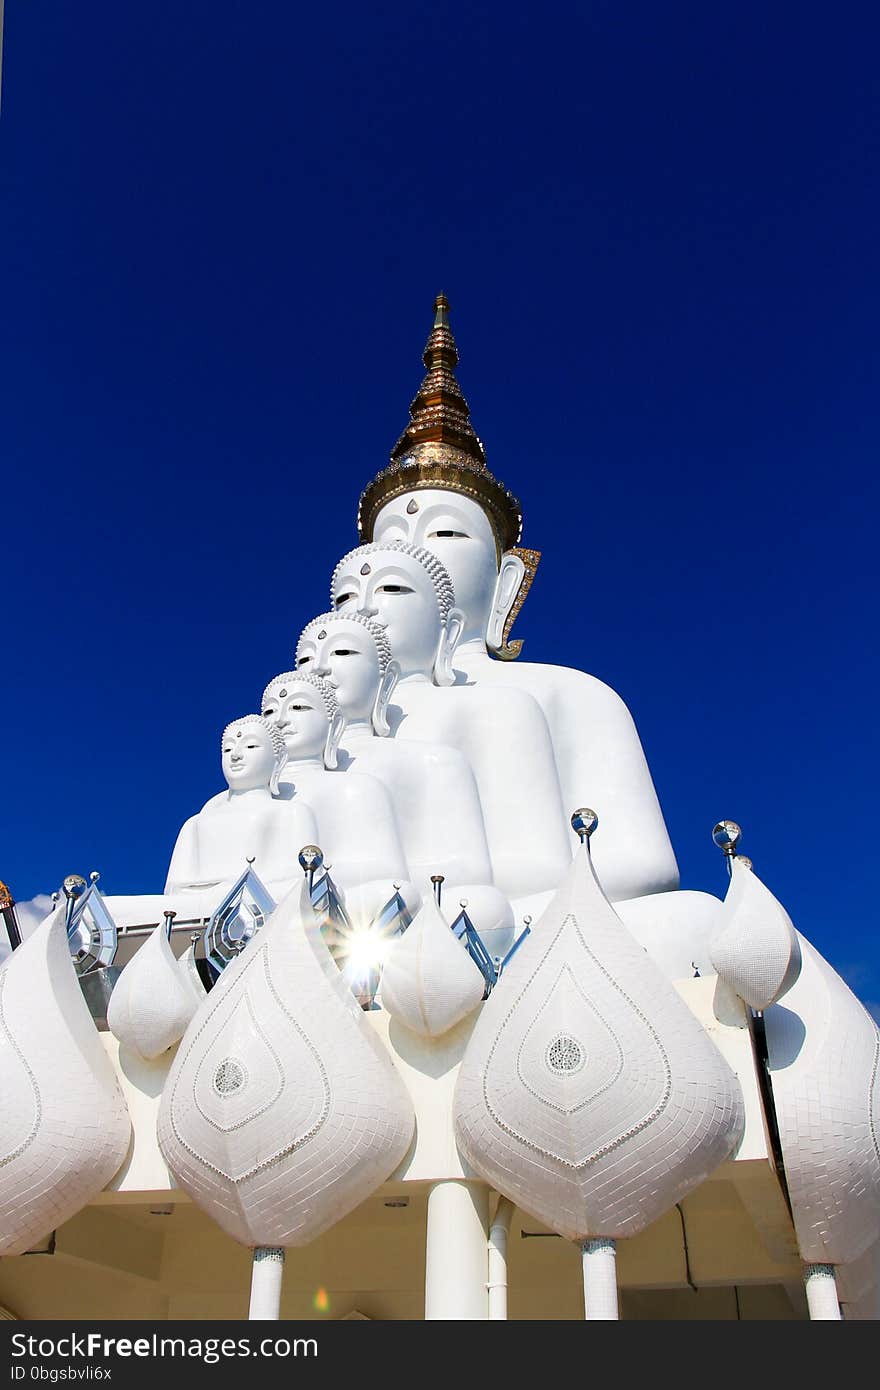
(253, 754)
(407, 590)
(353, 654)
(438, 493)
(304, 708)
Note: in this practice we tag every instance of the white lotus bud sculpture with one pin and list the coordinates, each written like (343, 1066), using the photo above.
(282, 1111)
(64, 1125)
(153, 1001)
(429, 982)
(755, 949)
(589, 1094)
(189, 971)
(824, 1058)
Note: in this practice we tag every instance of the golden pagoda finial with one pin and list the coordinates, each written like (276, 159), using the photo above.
(6, 899)
(438, 448)
(440, 414)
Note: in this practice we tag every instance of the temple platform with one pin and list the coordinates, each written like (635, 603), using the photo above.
(143, 1251)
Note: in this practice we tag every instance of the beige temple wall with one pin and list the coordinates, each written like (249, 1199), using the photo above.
(126, 1262)
(142, 1250)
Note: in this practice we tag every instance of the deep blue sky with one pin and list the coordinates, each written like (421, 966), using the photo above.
(221, 230)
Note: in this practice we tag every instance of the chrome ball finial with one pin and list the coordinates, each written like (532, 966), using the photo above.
(584, 822)
(94, 876)
(726, 836)
(310, 859)
(74, 886)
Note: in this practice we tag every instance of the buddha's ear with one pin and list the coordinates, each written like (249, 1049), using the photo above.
(518, 567)
(280, 765)
(389, 680)
(450, 636)
(335, 731)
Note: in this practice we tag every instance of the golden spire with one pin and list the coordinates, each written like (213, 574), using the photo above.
(440, 412)
(439, 449)
(6, 899)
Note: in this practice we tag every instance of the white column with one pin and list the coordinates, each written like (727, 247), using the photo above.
(822, 1298)
(600, 1280)
(266, 1275)
(456, 1260)
(498, 1233)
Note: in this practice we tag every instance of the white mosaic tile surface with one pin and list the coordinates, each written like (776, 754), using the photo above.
(589, 1094)
(64, 1126)
(282, 1111)
(429, 982)
(824, 1051)
(153, 1001)
(755, 949)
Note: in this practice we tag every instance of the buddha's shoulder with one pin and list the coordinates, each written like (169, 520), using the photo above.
(568, 681)
(481, 695)
(188, 828)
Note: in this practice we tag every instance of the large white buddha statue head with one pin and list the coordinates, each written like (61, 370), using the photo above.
(353, 654)
(304, 708)
(407, 590)
(253, 754)
(438, 493)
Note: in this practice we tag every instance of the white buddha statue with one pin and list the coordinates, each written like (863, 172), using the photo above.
(356, 827)
(432, 788)
(501, 732)
(246, 823)
(438, 493)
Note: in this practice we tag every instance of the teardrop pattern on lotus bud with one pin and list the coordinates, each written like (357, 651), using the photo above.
(755, 949)
(589, 1094)
(429, 982)
(282, 1110)
(64, 1125)
(152, 1004)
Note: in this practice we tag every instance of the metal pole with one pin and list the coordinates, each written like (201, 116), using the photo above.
(600, 1280)
(266, 1276)
(498, 1234)
(7, 910)
(822, 1299)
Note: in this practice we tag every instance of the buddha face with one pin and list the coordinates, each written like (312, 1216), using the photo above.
(248, 758)
(346, 655)
(301, 715)
(457, 530)
(398, 592)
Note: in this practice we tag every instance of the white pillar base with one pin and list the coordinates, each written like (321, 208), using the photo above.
(456, 1260)
(822, 1299)
(266, 1275)
(600, 1280)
